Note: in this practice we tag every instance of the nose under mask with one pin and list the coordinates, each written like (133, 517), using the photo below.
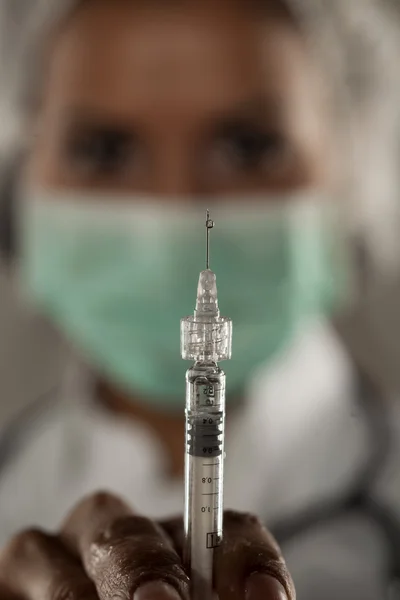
(116, 275)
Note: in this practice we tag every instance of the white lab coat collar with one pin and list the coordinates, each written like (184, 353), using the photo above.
(305, 433)
(300, 439)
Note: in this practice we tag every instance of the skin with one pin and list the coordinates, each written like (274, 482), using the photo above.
(199, 97)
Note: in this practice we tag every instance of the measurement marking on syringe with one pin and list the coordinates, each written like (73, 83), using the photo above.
(210, 465)
(211, 494)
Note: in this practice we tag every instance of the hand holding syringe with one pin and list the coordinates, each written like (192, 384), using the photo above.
(206, 338)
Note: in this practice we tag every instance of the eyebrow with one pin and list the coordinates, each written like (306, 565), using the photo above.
(257, 108)
(82, 117)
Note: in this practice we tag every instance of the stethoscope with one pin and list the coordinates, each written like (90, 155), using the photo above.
(358, 499)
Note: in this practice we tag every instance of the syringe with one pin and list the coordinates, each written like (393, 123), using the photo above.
(206, 338)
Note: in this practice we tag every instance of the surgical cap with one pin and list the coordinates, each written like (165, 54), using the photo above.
(354, 38)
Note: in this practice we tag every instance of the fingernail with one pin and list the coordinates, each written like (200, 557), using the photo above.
(156, 590)
(264, 587)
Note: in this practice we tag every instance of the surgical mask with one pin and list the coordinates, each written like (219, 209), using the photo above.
(117, 274)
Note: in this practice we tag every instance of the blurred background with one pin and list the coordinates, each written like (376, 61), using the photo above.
(33, 357)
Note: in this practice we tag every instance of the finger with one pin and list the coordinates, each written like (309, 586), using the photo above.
(6, 594)
(125, 555)
(248, 564)
(173, 527)
(36, 566)
(250, 571)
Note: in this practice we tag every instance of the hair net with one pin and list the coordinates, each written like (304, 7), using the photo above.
(357, 44)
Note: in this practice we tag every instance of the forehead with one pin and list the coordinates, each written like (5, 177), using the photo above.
(197, 53)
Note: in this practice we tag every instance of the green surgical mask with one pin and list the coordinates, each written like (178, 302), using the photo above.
(117, 275)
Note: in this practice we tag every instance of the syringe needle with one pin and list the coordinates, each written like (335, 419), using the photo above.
(209, 225)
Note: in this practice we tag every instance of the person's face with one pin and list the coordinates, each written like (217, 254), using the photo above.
(191, 98)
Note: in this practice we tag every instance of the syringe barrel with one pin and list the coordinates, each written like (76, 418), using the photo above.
(204, 464)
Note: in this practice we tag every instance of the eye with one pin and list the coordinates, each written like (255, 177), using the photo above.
(246, 147)
(101, 151)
